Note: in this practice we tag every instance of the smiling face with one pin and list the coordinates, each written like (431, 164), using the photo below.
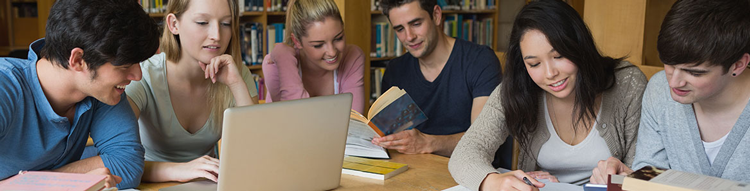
(323, 44)
(204, 29)
(550, 71)
(690, 84)
(108, 83)
(415, 28)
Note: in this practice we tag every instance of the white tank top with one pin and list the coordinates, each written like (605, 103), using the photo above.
(571, 163)
(335, 81)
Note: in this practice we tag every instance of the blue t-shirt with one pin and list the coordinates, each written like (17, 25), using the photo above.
(34, 137)
(471, 71)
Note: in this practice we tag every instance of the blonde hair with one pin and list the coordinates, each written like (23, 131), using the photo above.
(302, 13)
(219, 96)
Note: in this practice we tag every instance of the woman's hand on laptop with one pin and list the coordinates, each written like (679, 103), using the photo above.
(201, 167)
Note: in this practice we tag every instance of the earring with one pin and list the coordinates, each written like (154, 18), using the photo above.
(734, 74)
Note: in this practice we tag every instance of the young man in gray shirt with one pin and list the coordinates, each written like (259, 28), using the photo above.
(695, 113)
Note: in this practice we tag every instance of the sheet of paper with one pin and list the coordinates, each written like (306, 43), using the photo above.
(549, 186)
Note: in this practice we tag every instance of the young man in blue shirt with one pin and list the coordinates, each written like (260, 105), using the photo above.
(696, 113)
(71, 87)
(449, 79)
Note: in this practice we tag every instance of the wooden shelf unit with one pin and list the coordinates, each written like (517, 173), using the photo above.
(18, 32)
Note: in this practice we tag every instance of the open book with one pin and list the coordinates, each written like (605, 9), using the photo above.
(650, 178)
(392, 112)
(359, 140)
(38, 180)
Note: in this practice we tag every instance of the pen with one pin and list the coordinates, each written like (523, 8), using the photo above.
(528, 182)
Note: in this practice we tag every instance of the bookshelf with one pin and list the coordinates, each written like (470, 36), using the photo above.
(22, 22)
(264, 17)
(353, 13)
(245, 17)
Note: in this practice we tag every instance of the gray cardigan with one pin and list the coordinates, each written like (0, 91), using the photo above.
(620, 114)
(669, 137)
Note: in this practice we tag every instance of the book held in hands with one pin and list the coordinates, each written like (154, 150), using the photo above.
(392, 112)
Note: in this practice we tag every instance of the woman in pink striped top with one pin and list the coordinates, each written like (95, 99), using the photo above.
(315, 59)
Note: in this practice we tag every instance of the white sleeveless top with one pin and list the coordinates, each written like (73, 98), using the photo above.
(161, 133)
(571, 163)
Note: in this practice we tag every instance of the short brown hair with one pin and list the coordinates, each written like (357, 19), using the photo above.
(705, 31)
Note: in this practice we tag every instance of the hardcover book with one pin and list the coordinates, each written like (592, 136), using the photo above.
(650, 178)
(392, 112)
(372, 168)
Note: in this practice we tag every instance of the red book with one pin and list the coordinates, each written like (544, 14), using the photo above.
(38, 180)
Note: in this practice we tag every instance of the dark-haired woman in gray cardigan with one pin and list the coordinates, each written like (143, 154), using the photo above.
(566, 104)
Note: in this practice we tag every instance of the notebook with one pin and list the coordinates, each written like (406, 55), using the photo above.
(290, 145)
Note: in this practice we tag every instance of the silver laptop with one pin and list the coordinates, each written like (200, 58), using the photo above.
(291, 145)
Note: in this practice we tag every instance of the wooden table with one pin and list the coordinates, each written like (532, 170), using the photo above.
(426, 172)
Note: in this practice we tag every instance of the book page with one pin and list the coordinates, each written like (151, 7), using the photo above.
(392, 94)
(696, 181)
(358, 141)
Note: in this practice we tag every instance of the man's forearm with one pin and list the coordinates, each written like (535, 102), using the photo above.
(82, 166)
(443, 145)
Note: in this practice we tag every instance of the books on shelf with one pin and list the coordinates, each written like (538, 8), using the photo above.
(469, 28)
(372, 168)
(392, 112)
(650, 178)
(251, 5)
(376, 82)
(39, 180)
(154, 6)
(251, 43)
(275, 34)
(384, 41)
(451, 4)
(276, 5)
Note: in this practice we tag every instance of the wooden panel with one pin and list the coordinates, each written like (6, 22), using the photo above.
(4, 27)
(578, 5)
(650, 70)
(617, 27)
(508, 9)
(25, 30)
(356, 15)
(501, 56)
(43, 8)
(655, 12)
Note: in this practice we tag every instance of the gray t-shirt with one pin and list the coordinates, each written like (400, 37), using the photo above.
(161, 133)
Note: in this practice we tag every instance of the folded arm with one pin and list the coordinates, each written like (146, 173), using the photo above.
(115, 134)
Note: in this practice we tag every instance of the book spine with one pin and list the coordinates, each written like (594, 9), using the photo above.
(254, 44)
